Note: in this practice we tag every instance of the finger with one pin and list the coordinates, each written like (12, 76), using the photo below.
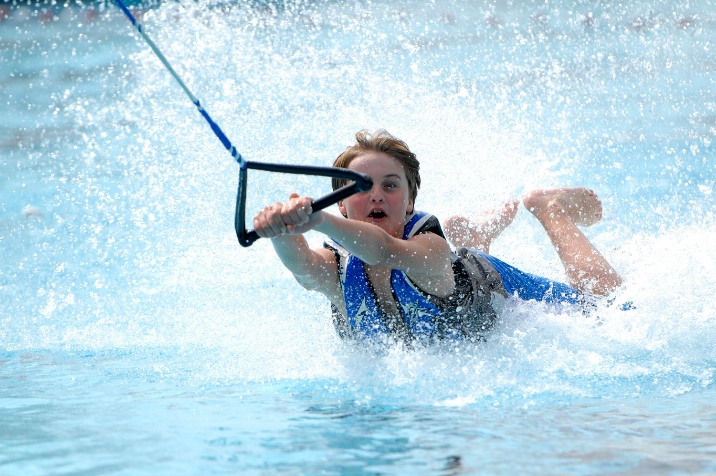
(261, 226)
(258, 228)
(305, 210)
(297, 211)
(277, 221)
(289, 213)
(273, 219)
(302, 215)
(298, 229)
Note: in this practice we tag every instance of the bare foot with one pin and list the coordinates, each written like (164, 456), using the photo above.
(579, 204)
(481, 231)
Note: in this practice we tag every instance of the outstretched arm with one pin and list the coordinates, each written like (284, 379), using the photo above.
(284, 223)
(424, 258)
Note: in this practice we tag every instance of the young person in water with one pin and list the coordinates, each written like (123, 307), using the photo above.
(388, 270)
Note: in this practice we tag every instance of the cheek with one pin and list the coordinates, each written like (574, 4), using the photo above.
(352, 203)
(349, 202)
(401, 200)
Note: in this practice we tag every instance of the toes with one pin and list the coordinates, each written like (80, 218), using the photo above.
(511, 208)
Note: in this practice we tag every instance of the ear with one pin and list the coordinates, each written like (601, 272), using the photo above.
(342, 209)
(411, 207)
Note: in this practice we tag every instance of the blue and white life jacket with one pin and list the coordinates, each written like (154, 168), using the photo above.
(417, 308)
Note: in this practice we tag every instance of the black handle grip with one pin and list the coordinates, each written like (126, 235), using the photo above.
(361, 182)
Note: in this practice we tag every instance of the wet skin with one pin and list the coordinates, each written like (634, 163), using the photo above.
(388, 203)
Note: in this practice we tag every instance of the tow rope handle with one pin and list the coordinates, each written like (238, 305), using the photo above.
(361, 182)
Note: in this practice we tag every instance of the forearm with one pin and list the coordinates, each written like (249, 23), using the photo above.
(295, 254)
(426, 254)
(366, 241)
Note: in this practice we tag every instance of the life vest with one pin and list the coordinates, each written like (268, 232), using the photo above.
(364, 314)
(423, 317)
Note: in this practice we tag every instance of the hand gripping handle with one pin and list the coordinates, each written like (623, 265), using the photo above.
(361, 182)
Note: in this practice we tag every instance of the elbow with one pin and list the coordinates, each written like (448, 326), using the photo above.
(381, 259)
(380, 255)
(307, 282)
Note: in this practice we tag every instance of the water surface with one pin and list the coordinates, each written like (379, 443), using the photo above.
(137, 337)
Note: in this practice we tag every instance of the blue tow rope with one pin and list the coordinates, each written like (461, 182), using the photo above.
(214, 126)
(355, 182)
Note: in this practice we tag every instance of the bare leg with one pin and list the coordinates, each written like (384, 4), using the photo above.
(481, 231)
(559, 211)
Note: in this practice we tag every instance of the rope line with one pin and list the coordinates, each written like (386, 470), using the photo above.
(359, 182)
(214, 126)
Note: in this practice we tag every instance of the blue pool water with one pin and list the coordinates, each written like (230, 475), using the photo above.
(137, 337)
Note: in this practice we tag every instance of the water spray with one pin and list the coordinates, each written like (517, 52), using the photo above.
(360, 182)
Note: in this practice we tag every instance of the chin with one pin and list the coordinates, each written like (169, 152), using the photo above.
(390, 229)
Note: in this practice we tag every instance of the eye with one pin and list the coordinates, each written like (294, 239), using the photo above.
(390, 185)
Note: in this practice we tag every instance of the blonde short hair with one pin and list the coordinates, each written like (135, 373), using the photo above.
(381, 141)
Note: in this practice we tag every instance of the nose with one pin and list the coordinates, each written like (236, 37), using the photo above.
(376, 193)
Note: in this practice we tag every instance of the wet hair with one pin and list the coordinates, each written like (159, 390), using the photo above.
(381, 141)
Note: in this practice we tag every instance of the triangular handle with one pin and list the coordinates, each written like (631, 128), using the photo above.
(361, 182)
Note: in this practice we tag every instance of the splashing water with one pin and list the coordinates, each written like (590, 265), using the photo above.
(128, 304)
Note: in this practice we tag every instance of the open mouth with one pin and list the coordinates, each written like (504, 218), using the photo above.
(377, 214)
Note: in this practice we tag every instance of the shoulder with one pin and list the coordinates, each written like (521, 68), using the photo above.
(421, 223)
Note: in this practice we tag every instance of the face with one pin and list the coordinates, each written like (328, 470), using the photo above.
(388, 202)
